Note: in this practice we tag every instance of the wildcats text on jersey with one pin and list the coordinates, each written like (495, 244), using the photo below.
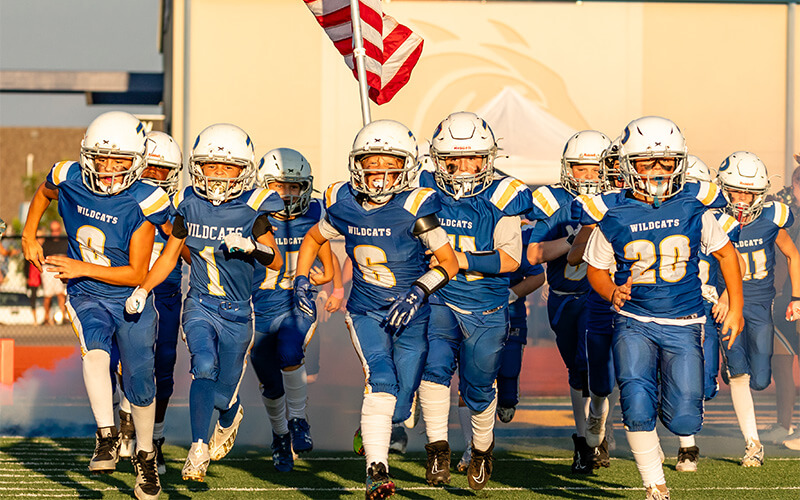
(369, 231)
(749, 243)
(94, 214)
(460, 224)
(654, 224)
(210, 232)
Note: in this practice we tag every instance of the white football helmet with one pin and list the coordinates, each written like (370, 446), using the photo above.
(115, 134)
(697, 170)
(463, 134)
(611, 175)
(584, 148)
(288, 165)
(653, 138)
(222, 143)
(164, 152)
(744, 171)
(383, 137)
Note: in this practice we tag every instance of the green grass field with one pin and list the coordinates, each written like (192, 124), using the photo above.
(56, 468)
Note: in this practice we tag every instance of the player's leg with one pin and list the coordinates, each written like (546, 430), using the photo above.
(508, 376)
(169, 317)
(294, 334)
(601, 386)
(785, 349)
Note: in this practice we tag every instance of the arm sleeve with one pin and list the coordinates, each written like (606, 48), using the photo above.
(327, 230)
(599, 253)
(508, 237)
(713, 236)
(261, 226)
(434, 239)
(179, 227)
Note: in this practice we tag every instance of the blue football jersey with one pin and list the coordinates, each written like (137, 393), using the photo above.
(387, 257)
(516, 310)
(100, 228)
(272, 290)
(215, 271)
(659, 247)
(561, 276)
(547, 200)
(172, 284)
(709, 265)
(470, 223)
(757, 246)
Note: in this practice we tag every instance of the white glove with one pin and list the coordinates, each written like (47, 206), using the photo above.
(238, 243)
(135, 303)
(512, 297)
(710, 293)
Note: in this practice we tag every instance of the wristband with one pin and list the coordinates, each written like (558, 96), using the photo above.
(263, 253)
(571, 238)
(338, 293)
(794, 298)
(433, 280)
(483, 262)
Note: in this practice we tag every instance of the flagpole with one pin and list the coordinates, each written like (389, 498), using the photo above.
(360, 59)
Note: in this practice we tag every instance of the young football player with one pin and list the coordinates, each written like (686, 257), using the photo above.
(469, 317)
(566, 302)
(282, 333)
(745, 183)
(225, 225)
(387, 226)
(109, 218)
(650, 234)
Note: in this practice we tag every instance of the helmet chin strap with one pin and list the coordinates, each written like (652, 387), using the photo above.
(658, 191)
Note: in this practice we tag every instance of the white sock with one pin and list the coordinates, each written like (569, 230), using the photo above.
(613, 400)
(144, 418)
(686, 441)
(96, 377)
(580, 409)
(124, 404)
(434, 399)
(483, 426)
(465, 418)
(376, 426)
(598, 405)
(743, 406)
(158, 430)
(276, 411)
(644, 446)
(294, 384)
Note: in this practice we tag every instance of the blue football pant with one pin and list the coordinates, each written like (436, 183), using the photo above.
(599, 356)
(568, 316)
(100, 322)
(282, 345)
(660, 373)
(168, 308)
(752, 351)
(511, 367)
(710, 354)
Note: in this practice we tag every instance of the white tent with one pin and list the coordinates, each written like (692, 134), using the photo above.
(532, 138)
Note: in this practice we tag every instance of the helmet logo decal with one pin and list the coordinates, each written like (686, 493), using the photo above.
(626, 136)
(725, 165)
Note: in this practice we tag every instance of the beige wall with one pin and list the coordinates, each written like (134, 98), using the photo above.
(717, 70)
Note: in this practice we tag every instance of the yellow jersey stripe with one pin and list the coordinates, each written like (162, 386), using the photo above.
(545, 200)
(331, 193)
(60, 171)
(257, 198)
(595, 207)
(416, 199)
(708, 192)
(506, 195)
(178, 197)
(727, 223)
(781, 214)
(156, 202)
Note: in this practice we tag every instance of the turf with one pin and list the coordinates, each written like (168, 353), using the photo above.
(56, 468)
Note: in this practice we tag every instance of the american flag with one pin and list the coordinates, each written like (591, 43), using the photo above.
(392, 48)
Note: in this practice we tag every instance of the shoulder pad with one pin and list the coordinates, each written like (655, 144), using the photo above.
(264, 200)
(593, 206)
(417, 198)
(707, 192)
(545, 200)
(506, 191)
(316, 210)
(780, 214)
(155, 201)
(61, 170)
(332, 193)
(178, 197)
(727, 222)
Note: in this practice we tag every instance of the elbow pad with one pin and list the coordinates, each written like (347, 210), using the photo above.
(425, 224)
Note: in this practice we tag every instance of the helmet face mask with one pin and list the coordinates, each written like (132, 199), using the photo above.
(163, 153)
(744, 172)
(115, 135)
(653, 158)
(459, 142)
(225, 144)
(288, 166)
(585, 149)
(609, 163)
(383, 160)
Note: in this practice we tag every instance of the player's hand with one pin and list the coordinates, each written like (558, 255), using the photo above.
(512, 296)
(334, 302)
(317, 276)
(621, 294)
(304, 297)
(732, 327)
(793, 311)
(65, 268)
(238, 243)
(135, 303)
(720, 310)
(402, 310)
(33, 252)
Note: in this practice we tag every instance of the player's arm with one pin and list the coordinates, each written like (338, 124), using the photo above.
(309, 249)
(545, 251)
(329, 266)
(602, 283)
(787, 247)
(527, 286)
(505, 257)
(165, 262)
(575, 255)
(334, 302)
(139, 252)
(728, 259)
(31, 248)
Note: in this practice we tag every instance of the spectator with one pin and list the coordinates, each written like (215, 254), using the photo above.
(56, 244)
(33, 279)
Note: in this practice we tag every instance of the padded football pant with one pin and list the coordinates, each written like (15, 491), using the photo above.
(752, 351)
(710, 353)
(281, 344)
(568, 315)
(168, 308)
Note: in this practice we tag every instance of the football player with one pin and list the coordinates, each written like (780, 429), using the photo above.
(282, 333)
(650, 234)
(566, 302)
(387, 226)
(109, 218)
(225, 225)
(745, 182)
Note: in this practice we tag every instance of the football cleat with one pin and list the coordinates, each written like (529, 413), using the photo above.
(506, 415)
(379, 485)
(148, 485)
(437, 468)
(654, 493)
(601, 457)
(583, 457)
(687, 459)
(127, 435)
(753, 455)
(399, 440)
(358, 443)
(282, 456)
(463, 464)
(776, 434)
(222, 439)
(160, 462)
(595, 428)
(480, 468)
(301, 435)
(197, 462)
(106, 450)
